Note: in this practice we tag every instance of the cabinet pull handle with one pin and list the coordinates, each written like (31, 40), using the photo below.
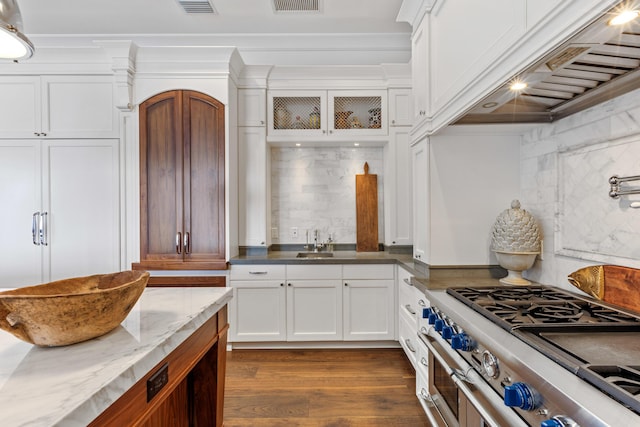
(35, 229)
(407, 281)
(179, 242)
(346, 284)
(423, 361)
(409, 309)
(43, 229)
(421, 303)
(409, 346)
(187, 243)
(281, 284)
(257, 272)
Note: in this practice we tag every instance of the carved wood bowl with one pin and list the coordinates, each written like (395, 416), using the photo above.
(72, 310)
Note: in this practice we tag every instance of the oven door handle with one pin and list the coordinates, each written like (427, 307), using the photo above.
(462, 377)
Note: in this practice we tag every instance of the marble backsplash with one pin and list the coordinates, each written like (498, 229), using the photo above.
(314, 188)
(565, 168)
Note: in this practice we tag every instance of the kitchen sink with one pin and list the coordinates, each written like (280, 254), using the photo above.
(312, 255)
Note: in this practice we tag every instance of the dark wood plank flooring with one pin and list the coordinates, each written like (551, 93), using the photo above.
(337, 388)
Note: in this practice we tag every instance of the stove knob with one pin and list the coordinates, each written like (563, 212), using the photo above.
(490, 364)
(438, 325)
(426, 312)
(432, 318)
(520, 395)
(462, 342)
(447, 332)
(559, 421)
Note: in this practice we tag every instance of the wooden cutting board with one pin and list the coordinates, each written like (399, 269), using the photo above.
(366, 211)
(610, 283)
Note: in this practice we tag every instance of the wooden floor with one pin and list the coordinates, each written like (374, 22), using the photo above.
(337, 388)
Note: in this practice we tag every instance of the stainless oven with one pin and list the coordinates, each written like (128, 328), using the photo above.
(458, 396)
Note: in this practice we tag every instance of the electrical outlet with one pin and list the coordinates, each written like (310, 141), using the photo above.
(294, 232)
(274, 232)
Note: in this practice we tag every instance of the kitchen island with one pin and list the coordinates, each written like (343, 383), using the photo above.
(145, 372)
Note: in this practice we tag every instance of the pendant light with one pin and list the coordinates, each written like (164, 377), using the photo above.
(13, 43)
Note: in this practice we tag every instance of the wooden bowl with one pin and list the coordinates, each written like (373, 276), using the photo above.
(72, 310)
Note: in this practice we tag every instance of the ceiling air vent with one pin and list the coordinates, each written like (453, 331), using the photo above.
(296, 5)
(197, 6)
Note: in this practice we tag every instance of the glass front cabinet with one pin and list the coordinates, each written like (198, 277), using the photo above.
(327, 114)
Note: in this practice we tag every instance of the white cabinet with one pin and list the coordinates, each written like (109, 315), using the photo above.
(421, 223)
(398, 187)
(400, 107)
(253, 187)
(314, 303)
(369, 292)
(420, 72)
(330, 115)
(61, 213)
(58, 107)
(252, 107)
(407, 316)
(257, 311)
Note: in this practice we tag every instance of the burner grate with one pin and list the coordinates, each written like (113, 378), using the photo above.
(620, 382)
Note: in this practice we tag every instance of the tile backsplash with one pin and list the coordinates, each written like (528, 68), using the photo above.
(314, 188)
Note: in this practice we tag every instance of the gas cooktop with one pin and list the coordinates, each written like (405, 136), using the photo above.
(596, 341)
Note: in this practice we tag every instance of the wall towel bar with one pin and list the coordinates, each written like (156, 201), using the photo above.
(614, 181)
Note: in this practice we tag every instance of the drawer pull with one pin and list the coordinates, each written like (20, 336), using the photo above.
(257, 272)
(409, 346)
(421, 303)
(423, 361)
(409, 309)
(407, 281)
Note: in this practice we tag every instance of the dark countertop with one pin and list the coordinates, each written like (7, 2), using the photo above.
(424, 277)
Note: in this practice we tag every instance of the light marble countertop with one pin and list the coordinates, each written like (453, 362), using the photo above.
(70, 386)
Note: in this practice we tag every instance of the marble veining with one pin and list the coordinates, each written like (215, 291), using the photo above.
(314, 188)
(70, 386)
(565, 167)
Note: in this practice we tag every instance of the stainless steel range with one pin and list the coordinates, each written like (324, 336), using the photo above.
(534, 355)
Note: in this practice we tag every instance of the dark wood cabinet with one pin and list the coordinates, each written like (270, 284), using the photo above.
(182, 182)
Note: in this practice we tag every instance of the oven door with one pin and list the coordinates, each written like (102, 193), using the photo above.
(459, 395)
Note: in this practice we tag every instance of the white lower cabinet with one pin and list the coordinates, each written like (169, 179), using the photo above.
(408, 338)
(369, 295)
(306, 303)
(314, 303)
(258, 309)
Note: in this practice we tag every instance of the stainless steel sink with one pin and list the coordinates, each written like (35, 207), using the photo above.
(311, 255)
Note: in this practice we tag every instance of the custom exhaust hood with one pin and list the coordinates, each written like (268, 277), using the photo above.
(599, 63)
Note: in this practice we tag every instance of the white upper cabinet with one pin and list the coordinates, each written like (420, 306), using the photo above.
(58, 107)
(326, 115)
(252, 107)
(421, 210)
(400, 107)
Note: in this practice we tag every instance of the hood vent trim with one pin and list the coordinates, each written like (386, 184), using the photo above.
(198, 6)
(289, 6)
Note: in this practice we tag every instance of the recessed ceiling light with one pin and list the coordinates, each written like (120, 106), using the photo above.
(517, 86)
(490, 104)
(624, 17)
(356, 144)
(298, 144)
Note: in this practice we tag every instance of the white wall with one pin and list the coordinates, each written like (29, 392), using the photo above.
(474, 175)
(565, 168)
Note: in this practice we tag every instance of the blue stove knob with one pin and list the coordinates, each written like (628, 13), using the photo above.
(462, 342)
(520, 395)
(438, 325)
(447, 332)
(558, 421)
(426, 312)
(432, 318)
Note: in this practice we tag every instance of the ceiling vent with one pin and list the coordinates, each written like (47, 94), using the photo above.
(197, 6)
(296, 5)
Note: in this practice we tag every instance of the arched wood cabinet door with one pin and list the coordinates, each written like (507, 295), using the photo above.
(182, 159)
